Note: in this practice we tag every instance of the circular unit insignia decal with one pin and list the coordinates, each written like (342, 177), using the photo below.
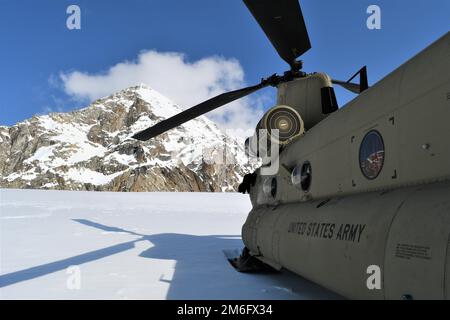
(371, 155)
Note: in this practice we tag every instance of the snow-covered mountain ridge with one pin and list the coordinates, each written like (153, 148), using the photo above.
(92, 149)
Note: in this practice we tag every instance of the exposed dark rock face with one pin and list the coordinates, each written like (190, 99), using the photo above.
(91, 149)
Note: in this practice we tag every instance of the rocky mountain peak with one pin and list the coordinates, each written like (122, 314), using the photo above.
(92, 149)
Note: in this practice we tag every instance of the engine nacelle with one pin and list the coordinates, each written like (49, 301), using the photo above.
(280, 125)
(302, 103)
(311, 96)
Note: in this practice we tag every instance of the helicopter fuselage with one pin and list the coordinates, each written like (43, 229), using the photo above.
(373, 189)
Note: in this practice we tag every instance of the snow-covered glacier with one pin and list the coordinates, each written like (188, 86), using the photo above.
(102, 245)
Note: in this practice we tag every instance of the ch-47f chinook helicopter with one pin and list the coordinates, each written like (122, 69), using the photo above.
(360, 188)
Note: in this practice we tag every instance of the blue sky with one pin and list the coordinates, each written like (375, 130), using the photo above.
(37, 47)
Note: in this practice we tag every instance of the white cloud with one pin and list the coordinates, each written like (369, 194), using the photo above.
(186, 83)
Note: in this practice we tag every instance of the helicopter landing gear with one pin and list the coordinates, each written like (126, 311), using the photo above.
(245, 262)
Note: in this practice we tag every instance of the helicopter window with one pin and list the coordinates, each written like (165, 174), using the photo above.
(301, 176)
(270, 187)
(371, 154)
(306, 176)
(296, 177)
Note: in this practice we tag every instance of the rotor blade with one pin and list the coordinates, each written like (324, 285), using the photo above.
(282, 22)
(353, 87)
(196, 111)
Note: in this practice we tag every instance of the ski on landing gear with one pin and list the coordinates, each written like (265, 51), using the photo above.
(244, 262)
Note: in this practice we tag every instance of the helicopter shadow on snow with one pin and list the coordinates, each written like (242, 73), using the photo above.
(201, 269)
(203, 272)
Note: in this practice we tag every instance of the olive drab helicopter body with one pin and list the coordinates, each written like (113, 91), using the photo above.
(359, 191)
